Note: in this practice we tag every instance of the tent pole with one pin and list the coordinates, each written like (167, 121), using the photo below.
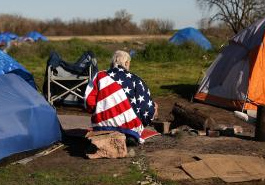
(246, 97)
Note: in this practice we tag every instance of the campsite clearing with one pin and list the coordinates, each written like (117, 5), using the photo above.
(160, 157)
(67, 165)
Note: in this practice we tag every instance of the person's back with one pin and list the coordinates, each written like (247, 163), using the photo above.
(120, 100)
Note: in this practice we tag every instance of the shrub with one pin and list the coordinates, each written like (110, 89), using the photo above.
(166, 52)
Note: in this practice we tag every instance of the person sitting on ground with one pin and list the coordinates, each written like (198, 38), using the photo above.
(120, 100)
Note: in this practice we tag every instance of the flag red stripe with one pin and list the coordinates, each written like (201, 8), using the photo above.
(132, 124)
(112, 112)
(110, 89)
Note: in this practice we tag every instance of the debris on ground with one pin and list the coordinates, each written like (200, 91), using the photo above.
(43, 153)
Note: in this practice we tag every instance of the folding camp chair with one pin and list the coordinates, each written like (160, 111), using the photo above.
(67, 88)
(66, 83)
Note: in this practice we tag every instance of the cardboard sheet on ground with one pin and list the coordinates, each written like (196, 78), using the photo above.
(252, 165)
(230, 168)
(198, 170)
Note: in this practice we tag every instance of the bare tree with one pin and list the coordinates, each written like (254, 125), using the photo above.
(123, 16)
(150, 26)
(237, 14)
(156, 26)
(165, 25)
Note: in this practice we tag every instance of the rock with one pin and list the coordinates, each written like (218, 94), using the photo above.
(108, 145)
(174, 131)
(238, 129)
(131, 153)
(145, 182)
(162, 126)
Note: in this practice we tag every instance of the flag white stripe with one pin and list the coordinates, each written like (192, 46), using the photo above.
(105, 81)
(118, 120)
(110, 101)
(89, 87)
(138, 129)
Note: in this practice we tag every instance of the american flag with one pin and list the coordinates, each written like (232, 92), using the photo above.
(119, 100)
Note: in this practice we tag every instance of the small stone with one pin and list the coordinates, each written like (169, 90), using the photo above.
(213, 133)
(174, 131)
(145, 182)
(131, 153)
(115, 175)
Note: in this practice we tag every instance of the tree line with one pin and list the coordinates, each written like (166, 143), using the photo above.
(120, 24)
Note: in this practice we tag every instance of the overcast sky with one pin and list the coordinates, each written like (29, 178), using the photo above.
(184, 13)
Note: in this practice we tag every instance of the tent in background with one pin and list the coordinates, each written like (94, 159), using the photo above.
(27, 120)
(11, 35)
(236, 79)
(191, 35)
(36, 36)
(7, 37)
(9, 65)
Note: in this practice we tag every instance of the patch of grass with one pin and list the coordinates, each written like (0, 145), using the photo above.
(18, 174)
(162, 65)
(164, 51)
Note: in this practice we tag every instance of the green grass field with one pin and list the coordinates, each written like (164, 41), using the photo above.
(163, 66)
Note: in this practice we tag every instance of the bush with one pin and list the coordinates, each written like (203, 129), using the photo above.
(167, 52)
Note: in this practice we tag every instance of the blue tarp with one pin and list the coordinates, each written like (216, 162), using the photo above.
(27, 120)
(190, 35)
(9, 65)
(6, 37)
(36, 36)
(11, 35)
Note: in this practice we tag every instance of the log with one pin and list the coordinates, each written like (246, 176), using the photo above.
(184, 115)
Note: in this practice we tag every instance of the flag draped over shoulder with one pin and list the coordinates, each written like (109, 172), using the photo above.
(119, 100)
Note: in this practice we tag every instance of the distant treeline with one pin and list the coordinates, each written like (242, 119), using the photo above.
(120, 24)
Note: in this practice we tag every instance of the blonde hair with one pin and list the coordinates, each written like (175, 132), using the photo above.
(120, 58)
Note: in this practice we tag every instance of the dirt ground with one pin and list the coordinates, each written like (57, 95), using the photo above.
(162, 154)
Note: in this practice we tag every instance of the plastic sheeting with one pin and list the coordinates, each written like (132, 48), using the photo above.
(9, 65)
(27, 120)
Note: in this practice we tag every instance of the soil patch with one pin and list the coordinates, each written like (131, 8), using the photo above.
(162, 153)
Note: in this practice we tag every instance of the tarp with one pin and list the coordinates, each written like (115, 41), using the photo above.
(6, 37)
(27, 120)
(36, 36)
(11, 35)
(190, 35)
(10, 65)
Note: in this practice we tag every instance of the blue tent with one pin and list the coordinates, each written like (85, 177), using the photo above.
(190, 35)
(36, 36)
(6, 37)
(9, 65)
(11, 35)
(27, 120)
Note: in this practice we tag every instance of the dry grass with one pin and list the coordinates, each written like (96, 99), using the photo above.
(109, 38)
